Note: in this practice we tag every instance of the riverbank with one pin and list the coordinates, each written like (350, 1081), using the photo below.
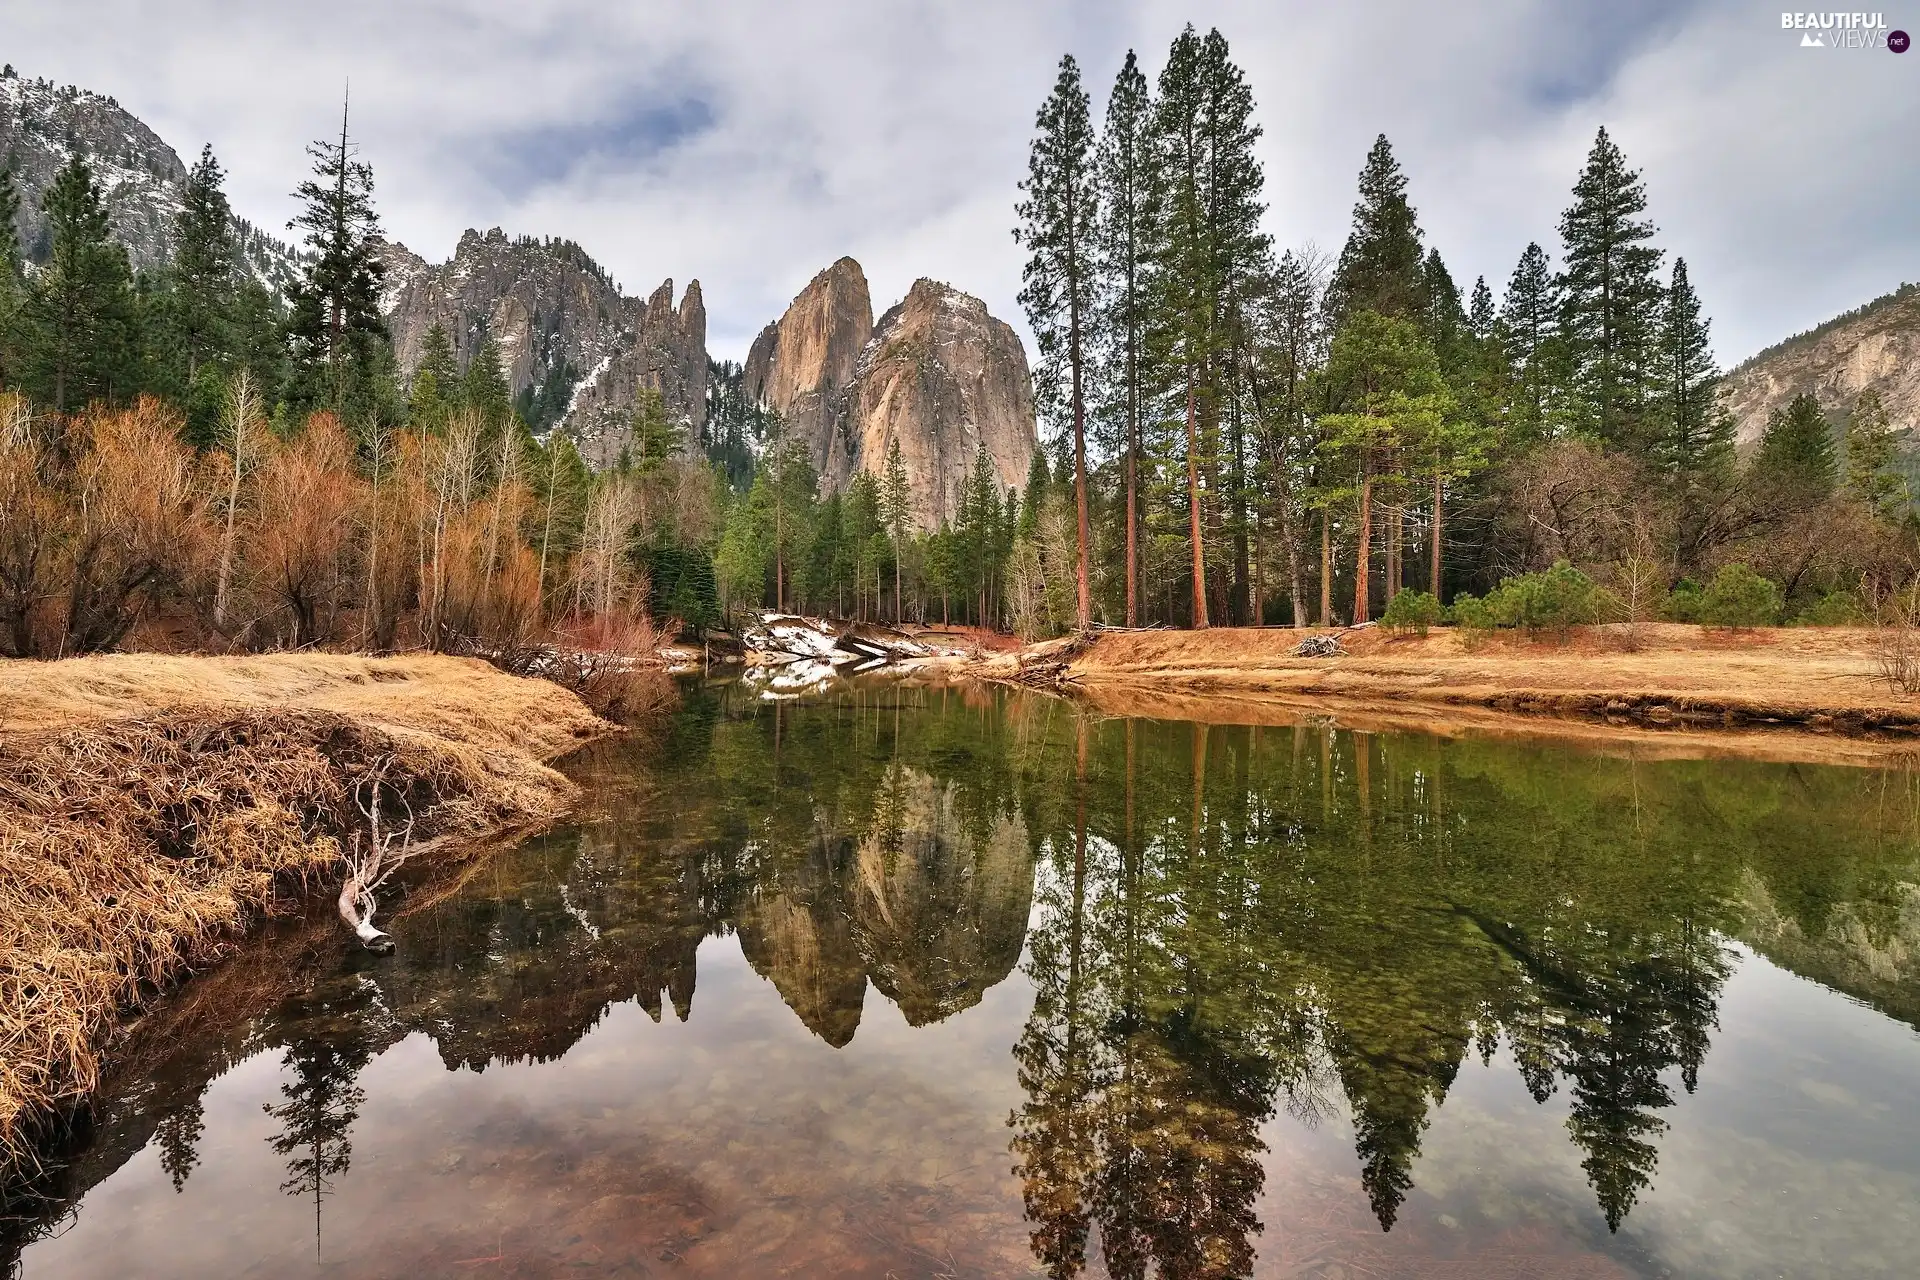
(1676, 678)
(152, 808)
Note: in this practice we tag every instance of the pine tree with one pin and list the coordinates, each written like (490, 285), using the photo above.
(1445, 319)
(1056, 225)
(1796, 456)
(1870, 454)
(1208, 251)
(483, 388)
(1529, 318)
(1696, 435)
(1382, 375)
(1123, 235)
(202, 274)
(80, 308)
(1610, 302)
(896, 511)
(13, 289)
(336, 303)
(436, 380)
(1292, 345)
(1481, 316)
(656, 438)
(1382, 268)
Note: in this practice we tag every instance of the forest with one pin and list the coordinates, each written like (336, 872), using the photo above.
(1235, 432)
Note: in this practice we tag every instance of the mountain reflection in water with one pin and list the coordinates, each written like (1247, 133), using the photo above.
(1247, 968)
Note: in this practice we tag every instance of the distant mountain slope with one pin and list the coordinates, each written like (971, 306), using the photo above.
(1875, 346)
(573, 347)
(42, 124)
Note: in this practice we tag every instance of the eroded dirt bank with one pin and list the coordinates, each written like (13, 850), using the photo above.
(152, 808)
(1718, 690)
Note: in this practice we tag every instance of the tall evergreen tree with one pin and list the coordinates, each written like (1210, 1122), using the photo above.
(1696, 435)
(436, 379)
(1057, 227)
(896, 512)
(1381, 268)
(12, 282)
(1207, 254)
(1610, 301)
(202, 275)
(1529, 320)
(80, 308)
(1123, 235)
(336, 303)
(1445, 318)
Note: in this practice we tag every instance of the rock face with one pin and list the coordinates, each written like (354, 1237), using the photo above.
(42, 124)
(937, 373)
(567, 334)
(1876, 347)
(804, 363)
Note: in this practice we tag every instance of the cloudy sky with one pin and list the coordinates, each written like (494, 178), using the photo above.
(747, 143)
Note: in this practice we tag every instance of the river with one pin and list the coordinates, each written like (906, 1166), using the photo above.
(897, 981)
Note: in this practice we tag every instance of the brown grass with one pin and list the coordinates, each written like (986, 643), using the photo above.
(1820, 678)
(151, 808)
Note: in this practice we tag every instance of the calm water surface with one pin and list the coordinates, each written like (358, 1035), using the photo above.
(902, 982)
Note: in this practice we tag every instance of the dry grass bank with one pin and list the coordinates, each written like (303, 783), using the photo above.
(151, 808)
(1678, 678)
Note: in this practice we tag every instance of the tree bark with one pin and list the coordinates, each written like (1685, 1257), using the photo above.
(1193, 513)
(1360, 561)
(1326, 567)
(1435, 579)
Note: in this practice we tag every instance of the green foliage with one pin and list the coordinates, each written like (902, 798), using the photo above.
(1695, 434)
(1835, 609)
(655, 437)
(1413, 611)
(1683, 602)
(1382, 267)
(80, 323)
(1560, 598)
(1610, 299)
(1796, 456)
(1870, 456)
(1739, 598)
(1529, 324)
(1471, 612)
(1056, 228)
(336, 325)
(682, 586)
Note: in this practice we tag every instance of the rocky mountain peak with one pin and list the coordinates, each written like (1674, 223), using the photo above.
(43, 124)
(938, 373)
(573, 347)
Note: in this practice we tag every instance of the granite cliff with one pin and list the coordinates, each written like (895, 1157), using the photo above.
(937, 373)
(573, 347)
(1875, 347)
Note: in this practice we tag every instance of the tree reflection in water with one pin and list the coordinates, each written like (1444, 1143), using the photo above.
(1224, 928)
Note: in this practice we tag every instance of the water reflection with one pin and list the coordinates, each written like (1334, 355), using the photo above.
(1223, 928)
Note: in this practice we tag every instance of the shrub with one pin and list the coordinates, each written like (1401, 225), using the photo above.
(1560, 598)
(1413, 611)
(1738, 598)
(1683, 602)
(1836, 609)
(1471, 612)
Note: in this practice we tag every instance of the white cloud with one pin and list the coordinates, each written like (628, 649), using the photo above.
(750, 143)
